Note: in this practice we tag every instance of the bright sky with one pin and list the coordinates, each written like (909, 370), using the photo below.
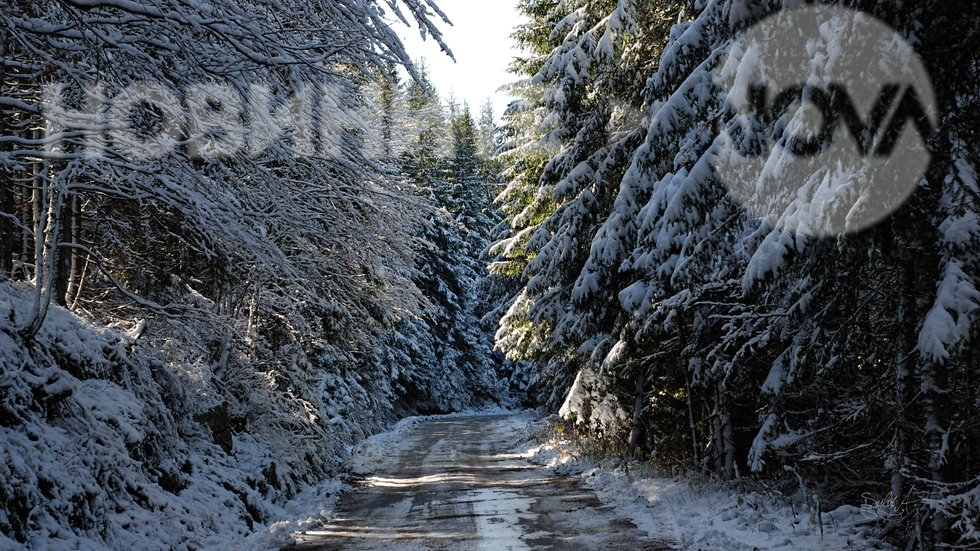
(480, 41)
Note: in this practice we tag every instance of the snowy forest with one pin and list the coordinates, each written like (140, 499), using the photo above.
(198, 312)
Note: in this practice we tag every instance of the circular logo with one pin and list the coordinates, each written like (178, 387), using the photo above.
(829, 111)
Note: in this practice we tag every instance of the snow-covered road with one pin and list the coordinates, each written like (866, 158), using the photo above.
(452, 484)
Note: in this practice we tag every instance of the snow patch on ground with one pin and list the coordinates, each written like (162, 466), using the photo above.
(95, 459)
(707, 515)
(700, 514)
(309, 509)
(379, 453)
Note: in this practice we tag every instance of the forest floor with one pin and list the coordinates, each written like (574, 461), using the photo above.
(498, 482)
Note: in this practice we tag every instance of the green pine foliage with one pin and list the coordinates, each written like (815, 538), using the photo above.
(444, 357)
(752, 350)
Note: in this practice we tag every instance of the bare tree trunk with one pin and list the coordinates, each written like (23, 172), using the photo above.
(7, 227)
(48, 203)
(725, 442)
(26, 237)
(905, 366)
(37, 221)
(717, 435)
(690, 413)
(636, 433)
(728, 433)
(934, 385)
(6, 194)
(65, 256)
(970, 401)
(934, 390)
(76, 266)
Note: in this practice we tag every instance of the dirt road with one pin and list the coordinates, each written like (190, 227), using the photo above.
(456, 488)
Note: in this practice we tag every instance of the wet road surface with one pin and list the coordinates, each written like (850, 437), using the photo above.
(456, 487)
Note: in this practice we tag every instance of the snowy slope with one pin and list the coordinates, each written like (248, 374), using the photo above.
(98, 453)
(108, 444)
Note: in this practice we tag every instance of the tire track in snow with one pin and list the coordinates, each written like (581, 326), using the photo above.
(456, 487)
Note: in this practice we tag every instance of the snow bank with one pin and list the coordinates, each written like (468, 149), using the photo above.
(712, 515)
(701, 514)
(111, 442)
(99, 450)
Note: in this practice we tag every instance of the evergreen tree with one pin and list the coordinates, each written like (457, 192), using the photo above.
(444, 358)
(488, 136)
(643, 285)
(575, 142)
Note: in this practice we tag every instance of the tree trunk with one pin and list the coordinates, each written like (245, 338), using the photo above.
(730, 470)
(6, 195)
(26, 237)
(690, 413)
(724, 435)
(636, 433)
(718, 433)
(934, 386)
(76, 267)
(971, 399)
(906, 359)
(66, 255)
(934, 391)
(37, 220)
(6, 224)
(48, 204)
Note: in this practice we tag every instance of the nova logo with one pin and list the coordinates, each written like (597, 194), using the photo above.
(837, 111)
(832, 110)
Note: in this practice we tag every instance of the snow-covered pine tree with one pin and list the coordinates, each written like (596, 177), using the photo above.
(450, 363)
(580, 122)
(763, 349)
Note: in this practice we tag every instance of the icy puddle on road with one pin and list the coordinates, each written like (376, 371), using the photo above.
(455, 487)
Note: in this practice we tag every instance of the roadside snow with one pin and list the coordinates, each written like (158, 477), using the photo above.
(709, 516)
(309, 509)
(694, 514)
(97, 452)
(699, 514)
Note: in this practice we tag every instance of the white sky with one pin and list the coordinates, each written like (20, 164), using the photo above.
(480, 41)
